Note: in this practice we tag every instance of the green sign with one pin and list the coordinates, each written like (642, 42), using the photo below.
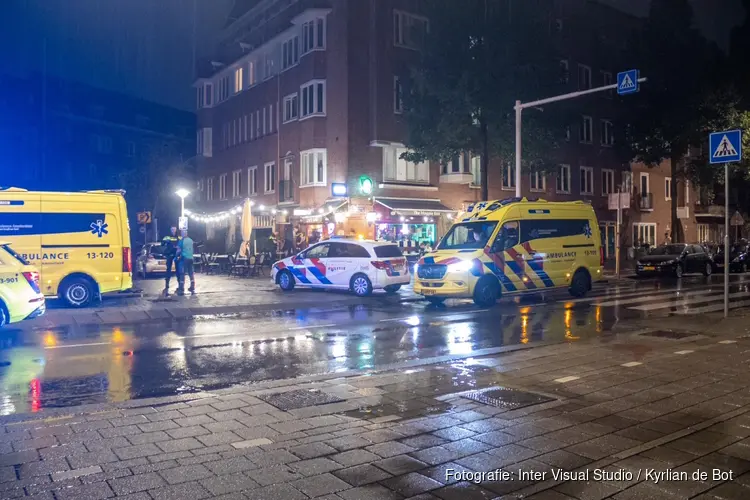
(366, 185)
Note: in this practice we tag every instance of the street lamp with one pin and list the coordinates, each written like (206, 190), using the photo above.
(182, 193)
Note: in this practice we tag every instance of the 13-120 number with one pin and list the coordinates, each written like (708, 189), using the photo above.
(101, 255)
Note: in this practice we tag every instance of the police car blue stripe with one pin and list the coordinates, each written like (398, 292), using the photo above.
(316, 272)
(299, 276)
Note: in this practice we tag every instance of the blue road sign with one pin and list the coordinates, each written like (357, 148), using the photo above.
(725, 147)
(627, 82)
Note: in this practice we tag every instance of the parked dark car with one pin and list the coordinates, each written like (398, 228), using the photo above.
(739, 258)
(675, 259)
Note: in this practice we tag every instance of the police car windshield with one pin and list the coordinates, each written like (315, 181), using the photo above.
(468, 235)
(20, 259)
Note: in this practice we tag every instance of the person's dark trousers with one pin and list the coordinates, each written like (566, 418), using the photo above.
(170, 263)
(186, 269)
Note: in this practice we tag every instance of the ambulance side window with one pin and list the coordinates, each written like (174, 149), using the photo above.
(507, 237)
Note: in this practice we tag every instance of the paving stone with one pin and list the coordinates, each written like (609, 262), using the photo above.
(186, 432)
(141, 450)
(463, 491)
(496, 438)
(423, 441)
(82, 460)
(179, 445)
(381, 436)
(133, 484)
(362, 474)
(251, 443)
(163, 415)
(107, 444)
(354, 457)
(71, 474)
(275, 457)
(315, 466)
(185, 473)
(148, 437)
(34, 444)
(370, 492)
(275, 492)
(43, 467)
(449, 473)
(142, 469)
(289, 427)
(563, 459)
(323, 484)
(126, 430)
(411, 484)
(229, 483)
(131, 420)
(348, 443)
(93, 491)
(725, 462)
(171, 456)
(19, 457)
(644, 491)
(231, 465)
(191, 490)
(436, 455)
(273, 475)
(669, 456)
(219, 438)
(124, 464)
(390, 449)
(401, 464)
(466, 446)
(192, 421)
(161, 425)
(454, 433)
(224, 426)
(312, 450)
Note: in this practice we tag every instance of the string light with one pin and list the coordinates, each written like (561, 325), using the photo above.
(223, 215)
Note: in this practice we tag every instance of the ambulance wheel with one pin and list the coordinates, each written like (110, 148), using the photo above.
(580, 284)
(486, 292)
(361, 285)
(286, 281)
(77, 291)
(4, 316)
(392, 288)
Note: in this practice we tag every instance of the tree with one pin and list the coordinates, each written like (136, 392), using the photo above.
(477, 58)
(678, 104)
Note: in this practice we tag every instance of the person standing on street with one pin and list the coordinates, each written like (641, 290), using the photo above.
(169, 245)
(185, 249)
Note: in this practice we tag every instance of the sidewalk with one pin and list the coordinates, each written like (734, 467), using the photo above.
(216, 295)
(649, 416)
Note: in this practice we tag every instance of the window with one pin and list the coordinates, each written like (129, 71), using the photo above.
(563, 179)
(313, 35)
(538, 182)
(200, 188)
(209, 189)
(703, 236)
(290, 53)
(398, 103)
(644, 184)
(608, 182)
(269, 65)
(270, 119)
(509, 177)
(584, 77)
(687, 192)
(252, 181)
(587, 180)
(564, 71)
(396, 169)
(585, 130)
(455, 165)
(507, 237)
(409, 30)
(270, 177)
(223, 187)
(607, 80)
(263, 130)
(257, 124)
(131, 149)
(468, 235)
(205, 95)
(236, 186)
(667, 188)
(291, 105)
(313, 98)
(209, 95)
(567, 133)
(644, 233)
(313, 164)
(238, 80)
(223, 89)
(627, 182)
(244, 128)
(476, 170)
(607, 133)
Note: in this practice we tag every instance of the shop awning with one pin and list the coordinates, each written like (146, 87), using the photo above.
(410, 206)
(317, 215)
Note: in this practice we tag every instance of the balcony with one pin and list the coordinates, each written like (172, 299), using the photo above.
(286, 191)
(645, 202)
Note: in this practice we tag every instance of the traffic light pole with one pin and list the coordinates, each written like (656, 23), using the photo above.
(519, 107)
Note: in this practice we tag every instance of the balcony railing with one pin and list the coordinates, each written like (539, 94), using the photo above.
(645, 201)
(286, 191)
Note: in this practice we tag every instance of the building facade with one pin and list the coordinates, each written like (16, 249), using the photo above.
(300, 111)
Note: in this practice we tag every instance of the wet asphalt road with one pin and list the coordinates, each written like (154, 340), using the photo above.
(72, 366)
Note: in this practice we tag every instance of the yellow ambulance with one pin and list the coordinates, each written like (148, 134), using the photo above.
(513, 246)
(80, 242)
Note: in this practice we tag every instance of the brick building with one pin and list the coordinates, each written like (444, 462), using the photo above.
(301, 95)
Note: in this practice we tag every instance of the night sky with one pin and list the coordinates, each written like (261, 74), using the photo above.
(145, 47)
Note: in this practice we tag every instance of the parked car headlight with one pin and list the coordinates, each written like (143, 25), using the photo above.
(460, 267)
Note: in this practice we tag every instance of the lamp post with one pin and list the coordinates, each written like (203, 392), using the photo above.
(182, 193)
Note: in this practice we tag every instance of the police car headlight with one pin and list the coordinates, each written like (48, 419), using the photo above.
(460, 267)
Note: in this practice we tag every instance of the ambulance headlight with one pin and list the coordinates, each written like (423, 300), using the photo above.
(460, 267)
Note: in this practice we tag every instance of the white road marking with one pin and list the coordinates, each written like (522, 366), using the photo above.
(312, 326)
(647, 298)
(76, 345)
(716, 307)
(630, 293)
(565, 379)
(727, 342)
(631, 364)
(695, 299)
(683, 352)
(440, 316)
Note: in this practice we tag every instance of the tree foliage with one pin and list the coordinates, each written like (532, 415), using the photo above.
(478, 58)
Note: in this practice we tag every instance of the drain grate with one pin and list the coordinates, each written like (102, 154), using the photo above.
(299, 399)
(667, 334)
(503, 397)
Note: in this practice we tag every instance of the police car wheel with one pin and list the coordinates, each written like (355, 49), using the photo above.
(4, 316)
(579, 285)
(77, 292)
(392, 288)
(361, 285)
(486, 292)
(286, 281)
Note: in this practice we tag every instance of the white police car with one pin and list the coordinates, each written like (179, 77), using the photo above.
(358, 266)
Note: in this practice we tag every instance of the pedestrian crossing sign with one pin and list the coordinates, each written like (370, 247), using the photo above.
(725, 147)
(627, 82)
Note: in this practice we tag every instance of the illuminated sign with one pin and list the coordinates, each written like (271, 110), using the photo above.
(338, 189)
(366, 185)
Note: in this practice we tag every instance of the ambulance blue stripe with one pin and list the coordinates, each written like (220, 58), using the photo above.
(297, 274)
(429, 260)
(539, 270)
(513, 265)
(504, 280)
(320, 277)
